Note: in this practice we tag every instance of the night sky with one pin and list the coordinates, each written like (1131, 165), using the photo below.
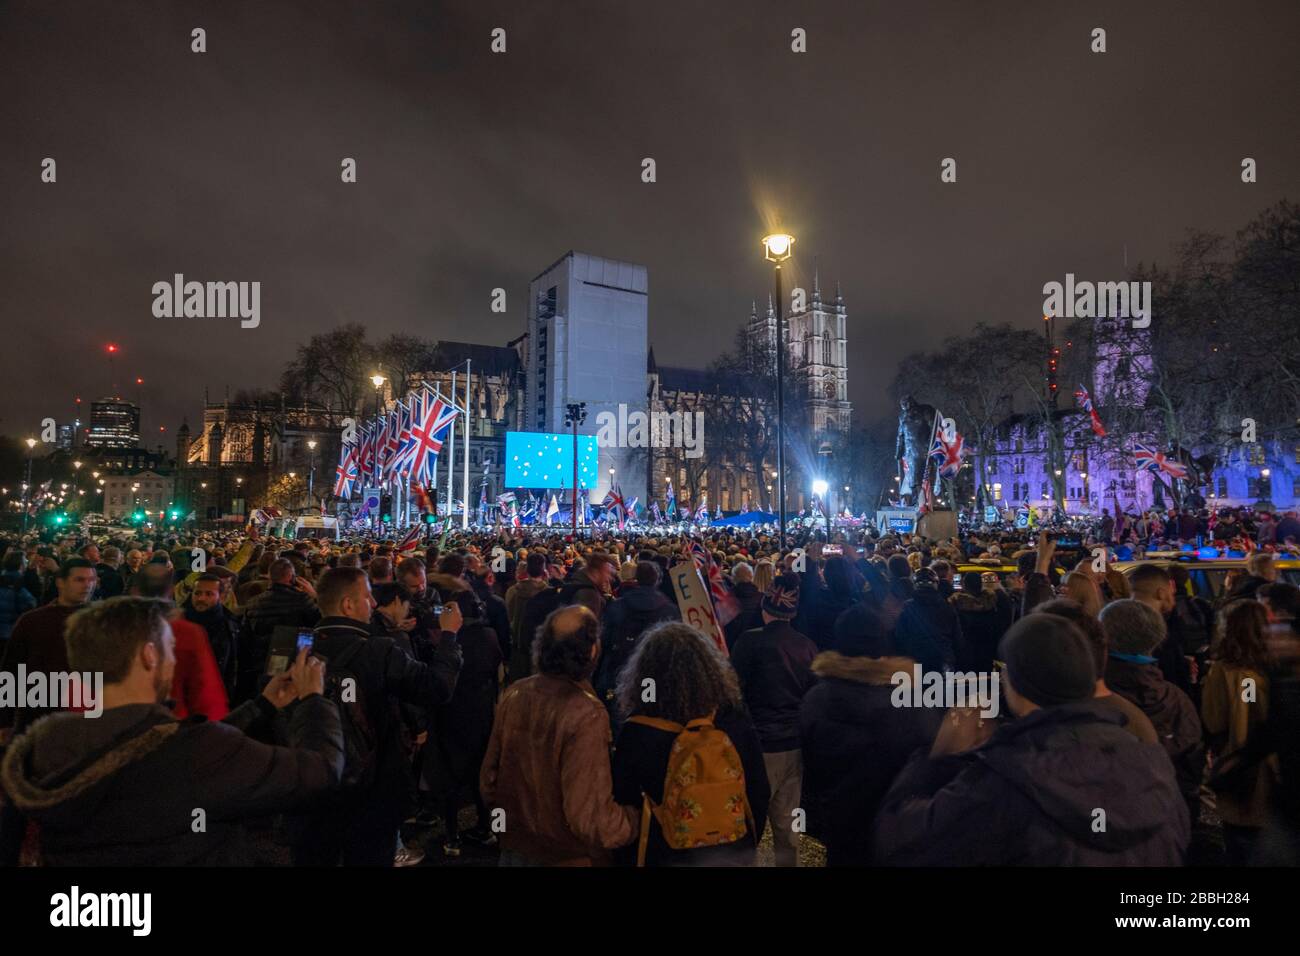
(479, 170)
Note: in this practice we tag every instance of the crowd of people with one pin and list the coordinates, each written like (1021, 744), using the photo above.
(551, 687)
(1192, 525)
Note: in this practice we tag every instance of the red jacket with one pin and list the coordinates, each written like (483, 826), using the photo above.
(196, 683)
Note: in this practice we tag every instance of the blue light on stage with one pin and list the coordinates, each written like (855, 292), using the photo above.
(539, 460)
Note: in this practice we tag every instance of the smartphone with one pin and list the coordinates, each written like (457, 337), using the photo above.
(286, 643)
(437, 608)
(832, 549)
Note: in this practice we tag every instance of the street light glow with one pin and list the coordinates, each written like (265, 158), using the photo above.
(820, 487)
(776, 247)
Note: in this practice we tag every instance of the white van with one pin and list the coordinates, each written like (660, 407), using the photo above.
(316, 526)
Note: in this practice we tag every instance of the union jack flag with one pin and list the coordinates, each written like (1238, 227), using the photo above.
(391, 442)
(397, 461)
(1150, 459)
(430, 419)
(725, 604)
(947, 455)
(365, 453)
(381, 447)
(1085, 402)
(614, 502)
(411, 540)
(346, 474)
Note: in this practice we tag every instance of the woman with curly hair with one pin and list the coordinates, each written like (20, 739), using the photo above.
(677, 674)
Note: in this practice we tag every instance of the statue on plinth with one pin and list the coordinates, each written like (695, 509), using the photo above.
(915, 430)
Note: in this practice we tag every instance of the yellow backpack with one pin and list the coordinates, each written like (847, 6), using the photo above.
(704, 790)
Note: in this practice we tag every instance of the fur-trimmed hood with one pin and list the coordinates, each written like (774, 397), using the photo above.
(968, 603)
(447, 583)
(55, 768)
(861, 670)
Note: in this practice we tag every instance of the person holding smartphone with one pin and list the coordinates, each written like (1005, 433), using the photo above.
(122, 790)
(290, 601)
(372, 676)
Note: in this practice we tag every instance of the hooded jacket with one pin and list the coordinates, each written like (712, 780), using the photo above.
(121, 790)
(1030, 796)
(855, 742)
(1173, 715)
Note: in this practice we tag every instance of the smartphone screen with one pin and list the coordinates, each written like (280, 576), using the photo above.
(282, 653)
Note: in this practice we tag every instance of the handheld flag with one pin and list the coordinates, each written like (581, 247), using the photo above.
(947, 455)
(1150, 459)
(411, 540)
(725, 604)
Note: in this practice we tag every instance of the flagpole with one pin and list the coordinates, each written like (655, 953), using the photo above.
(464, 521)
(451, 459)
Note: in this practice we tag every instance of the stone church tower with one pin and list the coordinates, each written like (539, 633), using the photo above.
(817, 375)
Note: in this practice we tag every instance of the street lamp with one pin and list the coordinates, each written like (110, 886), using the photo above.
(311, 467)
(377, 380)
(777, 249)
(820, 487)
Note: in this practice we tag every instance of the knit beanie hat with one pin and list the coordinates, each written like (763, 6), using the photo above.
(1048, 660)
(782, 597)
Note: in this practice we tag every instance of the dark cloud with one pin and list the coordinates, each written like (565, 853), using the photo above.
(479, 170)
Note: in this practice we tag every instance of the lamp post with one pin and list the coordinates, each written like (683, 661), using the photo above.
(820, 487)
(777, 249)
(575, 413)
(311, 467)
(31, 450)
